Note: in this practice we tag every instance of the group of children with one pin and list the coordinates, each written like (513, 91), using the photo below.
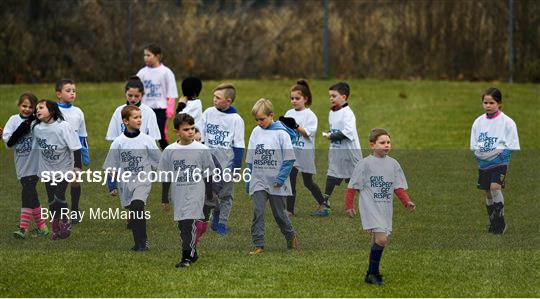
(49, 135)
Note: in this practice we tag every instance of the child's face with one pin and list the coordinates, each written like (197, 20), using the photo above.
(134, 96)
(150, 59)
(25, 108)
(336, 99)
(197, 137)
(220, 102)
(381, 146)
(263, 120)
(297, 100)
(67, 94)
(134, 120)
(490, 105)
(42, 112)
(185, 133)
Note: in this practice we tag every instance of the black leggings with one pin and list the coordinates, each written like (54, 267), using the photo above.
(187, 234)
(310, 185)
(57, 197)
(138, 223)
(331, 183)
(29, 196)
(161, 117)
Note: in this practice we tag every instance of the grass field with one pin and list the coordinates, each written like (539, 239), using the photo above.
(442, 250)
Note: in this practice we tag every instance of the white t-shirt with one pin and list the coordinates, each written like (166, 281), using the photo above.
(267, 149)
(55, 142)
(304, 148)
(149, 124)
(26, 159)
(343, 154)
(159, 84)
(489, 136)
(194, 108)
(221, 132)
(188, 190)
(377, 178)
(134, 155)
(75, 117)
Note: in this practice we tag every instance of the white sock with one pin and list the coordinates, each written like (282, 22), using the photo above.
(497, 196)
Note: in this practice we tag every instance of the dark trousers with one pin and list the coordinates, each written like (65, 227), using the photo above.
(187, 235)
(308, 183)
(29, 195)
(57, 197)
(161, 116)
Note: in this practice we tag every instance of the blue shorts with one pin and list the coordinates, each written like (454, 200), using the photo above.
(493, 175)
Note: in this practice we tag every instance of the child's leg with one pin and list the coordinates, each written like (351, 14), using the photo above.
(380, 239)
(28, 199)
(57, 202)
(75, 197)
(188, 230)
(291, 199)
(313, 187)
(138, 224)
(30, 192)
(225, 202)
(277, 203)
(499, 224)
(161, 117)
(257, 224)
(331, 183)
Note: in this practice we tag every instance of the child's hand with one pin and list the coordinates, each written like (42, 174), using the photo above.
(351, 212)
(165, 207)
(411, 206)
(114, 192)
(183, 99)
(277, 185)
(326, 135)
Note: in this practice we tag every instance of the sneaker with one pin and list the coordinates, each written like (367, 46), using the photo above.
(139, 249)
(76, 219)
(374, 279)
(55, 230)
(222, 229)
(65, 229)
(257, 251)
(324, 212)
(42, 232)
(293, 243)
(183, 263)
(19, 233)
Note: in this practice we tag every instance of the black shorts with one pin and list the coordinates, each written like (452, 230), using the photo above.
(493, 175)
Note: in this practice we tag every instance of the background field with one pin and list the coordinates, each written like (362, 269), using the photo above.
(442, 250)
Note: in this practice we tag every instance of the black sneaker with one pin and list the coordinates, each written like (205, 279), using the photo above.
(76, 219)
(183, 263)
(374, 279)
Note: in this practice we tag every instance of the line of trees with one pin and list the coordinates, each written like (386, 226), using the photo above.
(89, 40)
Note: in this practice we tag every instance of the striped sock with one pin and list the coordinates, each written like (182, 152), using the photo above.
(37, 217)
(26, 217)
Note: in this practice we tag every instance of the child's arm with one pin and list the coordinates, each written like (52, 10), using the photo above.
(181, 104)
(170, 107)
(404, 198)
(349, 199)
(23, 129)
(284, 172)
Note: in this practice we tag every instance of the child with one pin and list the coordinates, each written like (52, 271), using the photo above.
(134, 90)
(190, 102)
(270, 158)
(222, 130)
(26, 165)
(493, 138)
(377, 177)
(160, 89)
(60, 151)
(304, 121)
(344, 150)
(66, 93)
(133, 152)
(183, 160)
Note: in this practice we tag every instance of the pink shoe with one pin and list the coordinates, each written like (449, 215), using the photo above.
(65, 229)
(202, 226)
(55, 229)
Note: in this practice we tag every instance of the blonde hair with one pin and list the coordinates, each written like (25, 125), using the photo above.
(264, 106)
(229, 90)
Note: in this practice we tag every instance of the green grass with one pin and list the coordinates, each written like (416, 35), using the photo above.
(442, 250)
